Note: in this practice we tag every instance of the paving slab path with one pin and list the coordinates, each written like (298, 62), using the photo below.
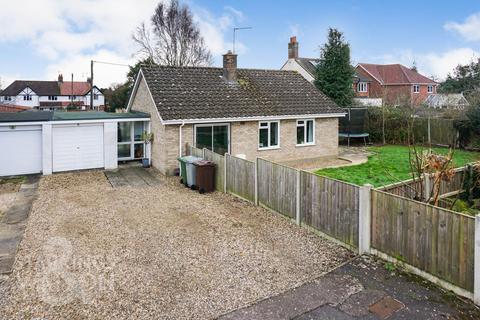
(14, 221)
(131, 176)
(361, 289)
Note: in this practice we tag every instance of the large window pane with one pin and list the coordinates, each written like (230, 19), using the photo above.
(300, 134)
(138, 131)
(220, 139)
(124, 150)
(203, 137)
(124, 131)
(263, 138)
(138, 151)
(310, 131)
(273, 134)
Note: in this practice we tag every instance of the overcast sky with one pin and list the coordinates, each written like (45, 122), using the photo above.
(41, 38)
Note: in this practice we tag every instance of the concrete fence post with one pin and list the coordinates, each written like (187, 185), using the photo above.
(203, 153)
(256, 181)
(476, 262)
(364, 218)
(427, 186)
(298, 198)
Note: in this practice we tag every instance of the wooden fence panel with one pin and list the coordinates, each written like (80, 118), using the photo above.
(241, 177)
(330, 206)
(436, 240)
(455, 184)
(405, 188)
(277, 187)
(219, 161)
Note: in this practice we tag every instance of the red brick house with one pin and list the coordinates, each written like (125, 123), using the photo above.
(394, 83)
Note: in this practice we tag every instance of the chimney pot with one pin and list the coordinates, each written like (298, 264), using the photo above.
(293, 48)
(230, 66)
(60, 78)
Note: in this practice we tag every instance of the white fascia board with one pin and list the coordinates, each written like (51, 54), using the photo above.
(24, 123)
(267, 118)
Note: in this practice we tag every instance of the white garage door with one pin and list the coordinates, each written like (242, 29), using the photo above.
(20, 150)
(77, 147)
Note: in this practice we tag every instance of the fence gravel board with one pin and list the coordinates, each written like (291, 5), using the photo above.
(277, 187)
(219, 161)
(330, 206)
(438, 241)
(241, 180)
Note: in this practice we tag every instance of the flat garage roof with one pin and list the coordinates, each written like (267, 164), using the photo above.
(42, 116)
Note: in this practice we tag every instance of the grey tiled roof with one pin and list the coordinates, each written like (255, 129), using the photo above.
(309, 64)
(182, 93)
(41, 88)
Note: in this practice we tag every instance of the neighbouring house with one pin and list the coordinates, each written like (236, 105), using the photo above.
(12, 108)
(52, 95)
(250, 113)
(54, 141)
(393, 83)
(455, 101)
(307, 67)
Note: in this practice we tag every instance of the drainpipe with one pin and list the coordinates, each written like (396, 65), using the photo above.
(180, 138)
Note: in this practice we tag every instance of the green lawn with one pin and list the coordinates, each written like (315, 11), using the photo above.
(388, 164)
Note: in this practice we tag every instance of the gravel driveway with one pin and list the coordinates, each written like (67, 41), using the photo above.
(91, 251)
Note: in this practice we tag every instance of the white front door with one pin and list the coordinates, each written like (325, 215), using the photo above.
(77, 147)
(21, 150)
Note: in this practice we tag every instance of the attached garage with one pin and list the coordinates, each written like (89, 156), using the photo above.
(35, 142)
(21, 150)
(77, 146)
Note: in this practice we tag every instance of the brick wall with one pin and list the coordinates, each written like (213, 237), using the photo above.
(244, 137)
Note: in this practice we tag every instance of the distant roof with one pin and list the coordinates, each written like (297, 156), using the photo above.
(47, 88)
(450, 100)
(395, 74)
(34, 116)
(42, 88)
(79, 88)
(12, 108)
(182, 93)
(310, 65)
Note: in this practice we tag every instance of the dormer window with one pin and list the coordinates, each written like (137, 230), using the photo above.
(95, 96)
(52, 98)
(362, 87)
(27, 97)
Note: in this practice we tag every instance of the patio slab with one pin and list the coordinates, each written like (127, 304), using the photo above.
(132, 176)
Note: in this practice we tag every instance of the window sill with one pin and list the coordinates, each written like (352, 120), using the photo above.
(305, 145)
(268, 148)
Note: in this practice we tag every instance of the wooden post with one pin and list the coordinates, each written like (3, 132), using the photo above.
(298, 197)
(364, 218)
(256, 181)
(476, 263)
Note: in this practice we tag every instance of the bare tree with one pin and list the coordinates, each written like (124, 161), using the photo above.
(173, 38)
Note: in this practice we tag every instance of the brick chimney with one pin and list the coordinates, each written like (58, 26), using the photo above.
(60, 78)
(293, 48)
(230, 66)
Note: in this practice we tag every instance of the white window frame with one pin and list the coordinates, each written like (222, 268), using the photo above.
(416, 86)
(211, 125)
(362, 87)
(269, 135)
(7, 98)
(304, 125)
(132, 141)
(430, 88)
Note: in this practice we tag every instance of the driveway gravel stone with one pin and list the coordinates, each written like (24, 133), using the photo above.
(164, 251)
